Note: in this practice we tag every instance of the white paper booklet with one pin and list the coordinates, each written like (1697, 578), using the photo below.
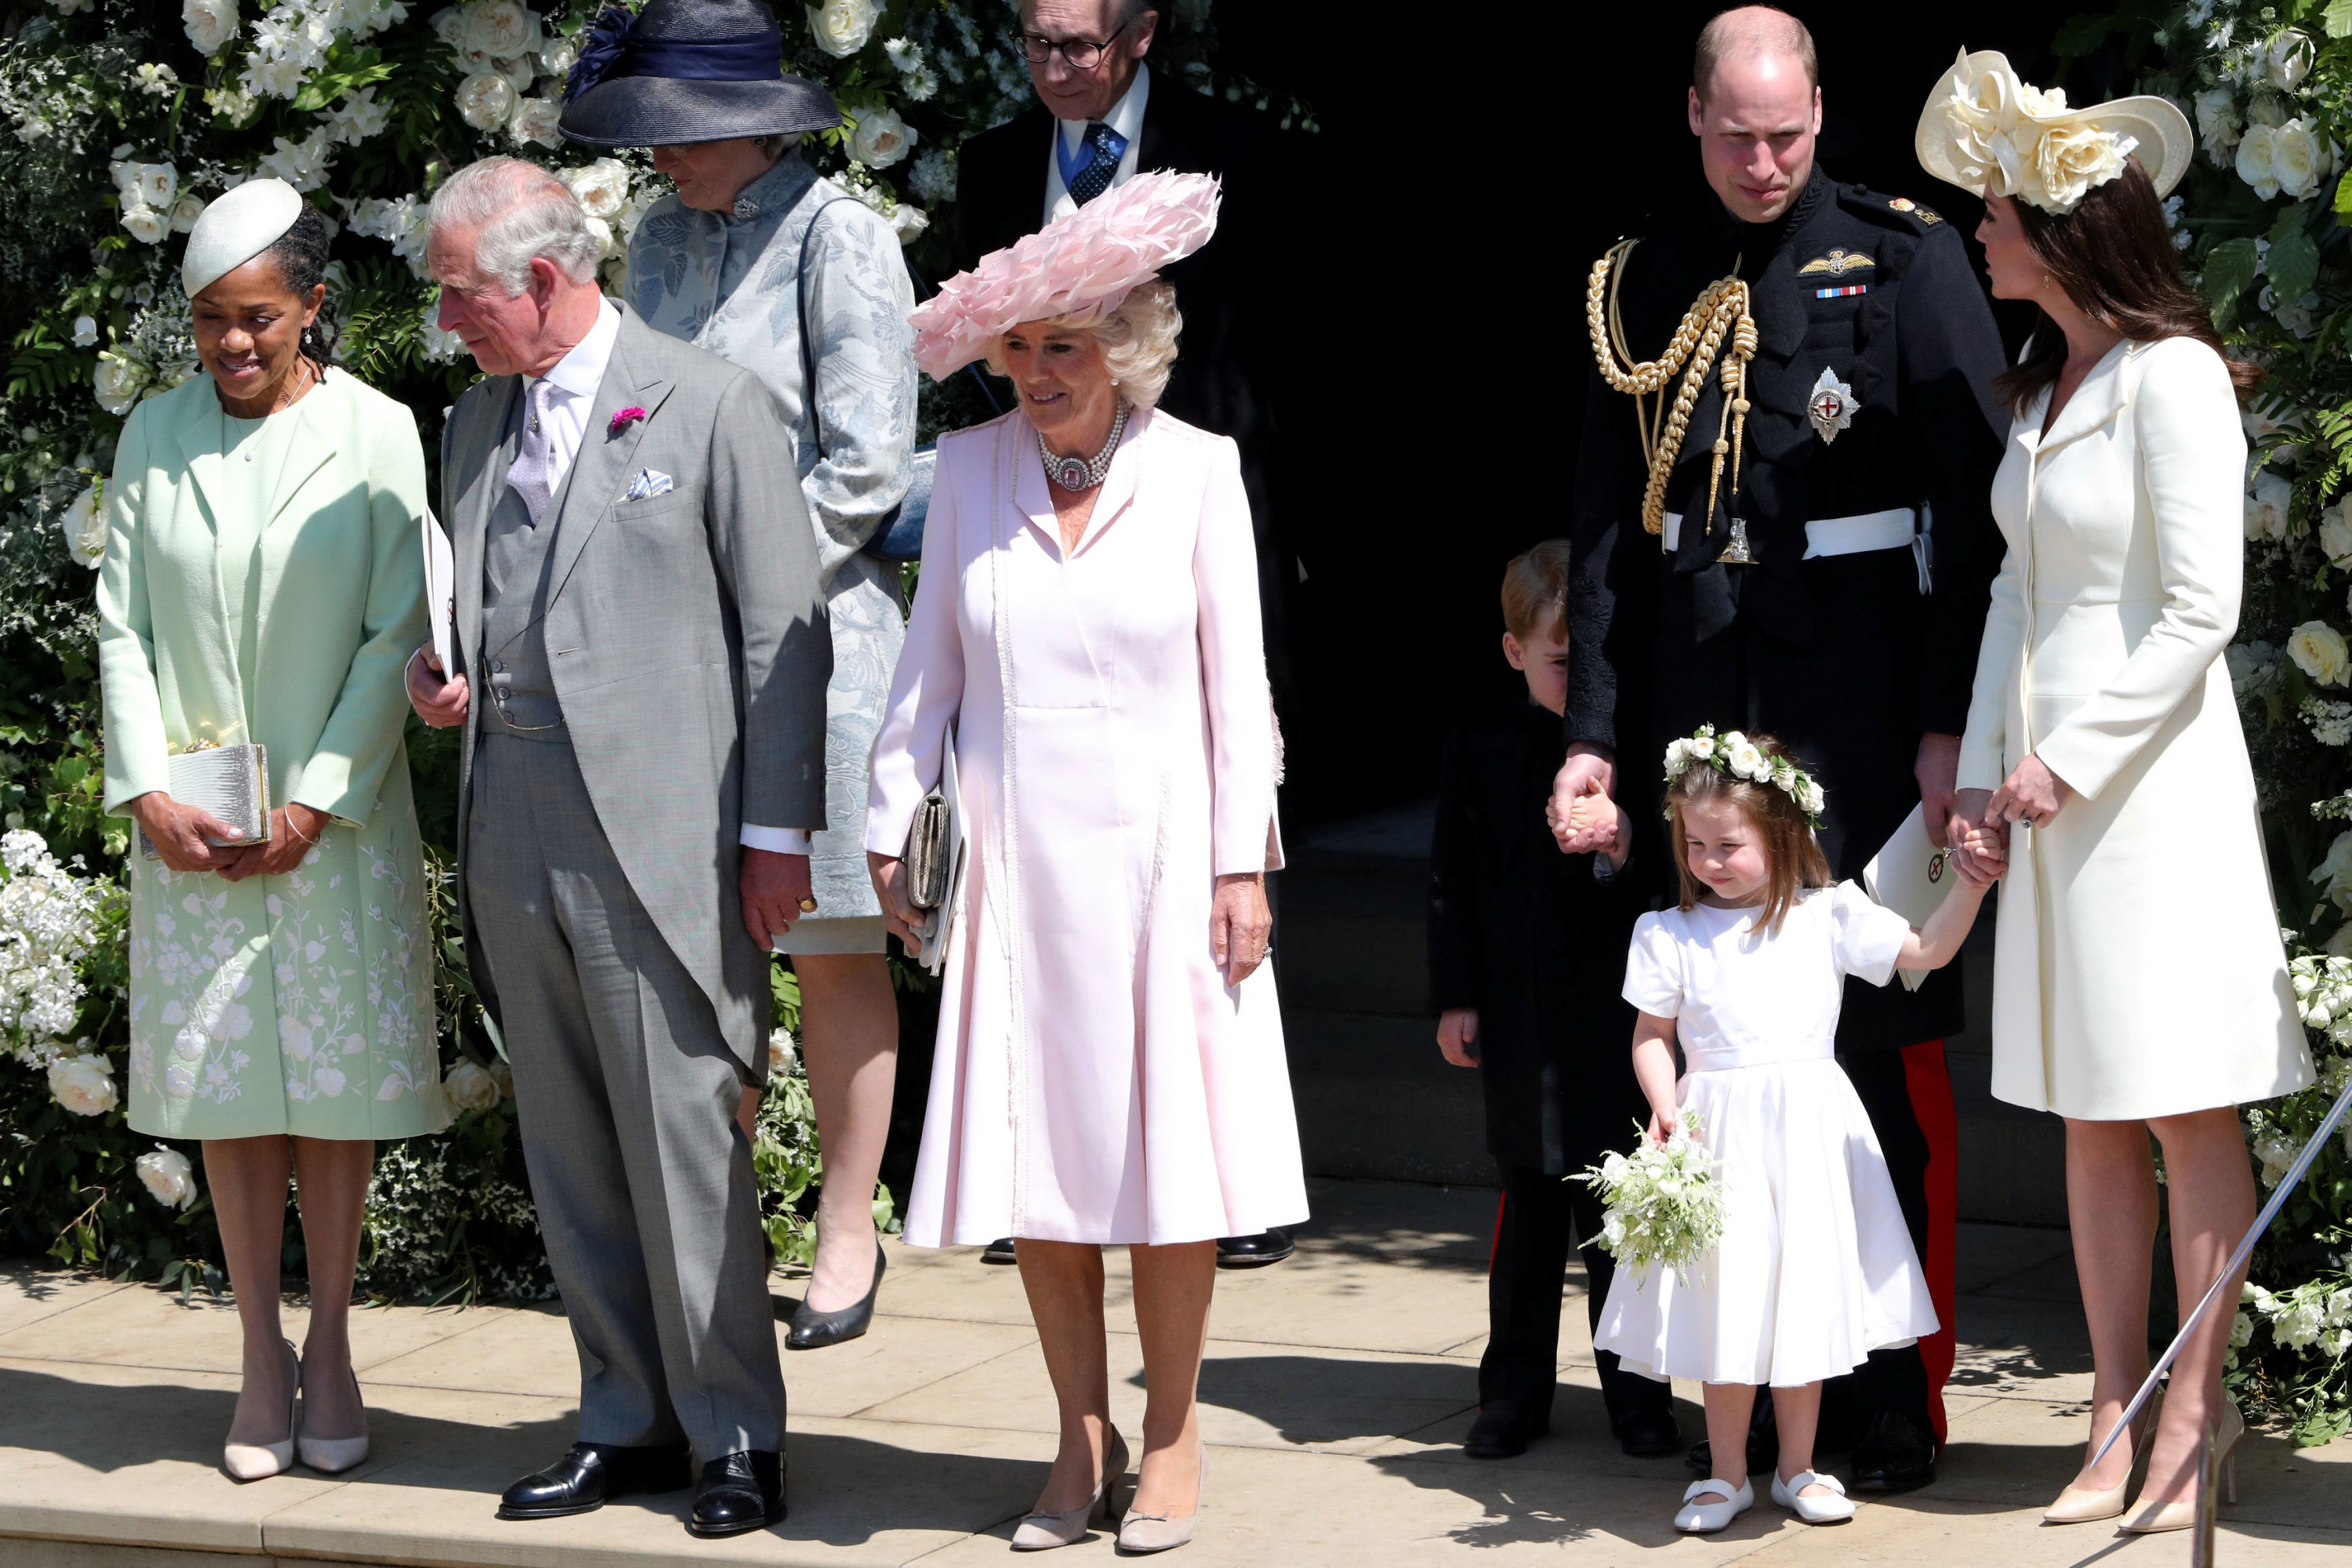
(230, 782)
(440, 588)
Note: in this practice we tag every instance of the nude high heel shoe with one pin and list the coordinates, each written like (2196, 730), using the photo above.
(258, 1461)
(2079, 1504)
(332, 1456)
(1140, 1532)
(1043, 1531)
(2182, 1511)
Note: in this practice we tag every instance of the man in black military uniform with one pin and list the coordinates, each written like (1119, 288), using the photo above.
(1810, 601)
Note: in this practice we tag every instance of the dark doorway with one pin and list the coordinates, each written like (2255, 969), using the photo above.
(1472, 164)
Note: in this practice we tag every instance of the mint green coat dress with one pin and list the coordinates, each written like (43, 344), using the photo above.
(264, 581)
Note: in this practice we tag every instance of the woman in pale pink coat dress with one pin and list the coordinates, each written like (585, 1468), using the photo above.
(1110, 1066)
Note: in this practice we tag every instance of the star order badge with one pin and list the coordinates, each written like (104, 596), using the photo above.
(1831, 405)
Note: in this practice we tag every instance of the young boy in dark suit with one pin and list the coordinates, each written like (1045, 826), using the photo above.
(1526, 956)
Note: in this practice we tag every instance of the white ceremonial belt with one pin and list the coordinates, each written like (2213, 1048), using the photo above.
(1898, 528)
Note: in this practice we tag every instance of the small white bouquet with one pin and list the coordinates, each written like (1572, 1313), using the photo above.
(1665, 1206)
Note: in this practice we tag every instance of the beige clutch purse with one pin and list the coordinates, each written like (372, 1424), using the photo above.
(934, 859)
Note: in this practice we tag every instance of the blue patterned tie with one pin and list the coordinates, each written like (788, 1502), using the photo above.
(1105, 148)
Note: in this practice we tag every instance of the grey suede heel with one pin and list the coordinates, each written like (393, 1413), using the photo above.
(1141, 1532)
(1043, 1531)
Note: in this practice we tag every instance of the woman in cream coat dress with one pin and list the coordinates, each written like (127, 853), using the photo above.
(2139, 983)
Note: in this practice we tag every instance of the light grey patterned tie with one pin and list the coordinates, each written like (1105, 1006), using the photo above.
(532, 477)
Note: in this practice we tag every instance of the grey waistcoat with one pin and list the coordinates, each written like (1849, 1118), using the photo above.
(517, 560)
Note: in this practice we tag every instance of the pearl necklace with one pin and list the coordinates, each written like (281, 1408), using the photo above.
(1081, 473)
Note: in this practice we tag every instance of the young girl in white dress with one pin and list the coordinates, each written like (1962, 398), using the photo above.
(1815, 1268)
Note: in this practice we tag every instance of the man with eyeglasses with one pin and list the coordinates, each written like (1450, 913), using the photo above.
(1102, 117)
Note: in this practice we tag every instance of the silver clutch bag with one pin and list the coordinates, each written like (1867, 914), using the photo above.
(934, 861)
(230, 782)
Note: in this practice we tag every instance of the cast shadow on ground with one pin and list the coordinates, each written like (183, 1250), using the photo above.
(845, 1490)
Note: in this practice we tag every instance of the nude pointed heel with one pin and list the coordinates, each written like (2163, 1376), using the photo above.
(1141, 1532)
(2080, 1504)
(2154, 1518)
(1043, 1531)
(260, 1461)
(333, 1455)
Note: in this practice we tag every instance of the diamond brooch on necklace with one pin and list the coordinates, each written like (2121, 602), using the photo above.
(1084, 473)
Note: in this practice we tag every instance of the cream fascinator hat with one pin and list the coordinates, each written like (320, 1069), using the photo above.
(235, 229)
(1076, 269)
(1986, 131)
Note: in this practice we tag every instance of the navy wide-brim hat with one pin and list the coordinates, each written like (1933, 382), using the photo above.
(687, 70)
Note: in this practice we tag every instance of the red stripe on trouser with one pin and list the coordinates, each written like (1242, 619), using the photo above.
(1930, 1083)
(1495, 1247)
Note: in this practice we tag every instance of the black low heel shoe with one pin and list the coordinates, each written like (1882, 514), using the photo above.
(591, 1474)
(739, 1493)
(1505, 1428)
(813, 1330)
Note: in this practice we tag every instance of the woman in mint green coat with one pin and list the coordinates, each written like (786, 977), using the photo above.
(264, 581)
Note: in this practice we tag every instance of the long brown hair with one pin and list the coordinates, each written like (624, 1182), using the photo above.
(1792, 857)
(2114, 257)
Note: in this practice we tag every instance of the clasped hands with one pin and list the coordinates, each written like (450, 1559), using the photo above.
(1977, 828)
(182, 836)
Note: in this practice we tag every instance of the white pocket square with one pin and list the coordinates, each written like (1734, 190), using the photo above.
(650, 482)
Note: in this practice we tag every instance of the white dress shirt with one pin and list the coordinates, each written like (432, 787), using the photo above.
(568, 396)
(1125, 117)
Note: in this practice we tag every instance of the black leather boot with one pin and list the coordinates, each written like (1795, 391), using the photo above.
(740, 1492)
(592, 1473)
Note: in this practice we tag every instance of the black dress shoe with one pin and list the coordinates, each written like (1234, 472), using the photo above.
(999, 1251)
(739, 1493)
(1647, 1431)
(813, 1330)
(592, 1473)
(1255, 1251)
(1763, 1443)
(1504, 1429)
(1895, 1454)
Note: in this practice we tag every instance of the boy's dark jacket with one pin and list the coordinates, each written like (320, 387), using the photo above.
(1525, 935)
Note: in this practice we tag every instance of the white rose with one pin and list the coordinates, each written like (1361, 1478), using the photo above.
(1811, 800)
(84, 526)
(2266, 506)
(185, 212)
(782, 1051)
(85, 332)
(602, 188)
(83, 1085)
(2297, 160)
(559, 57)
(518, 69)
(2318, 650)
(1702, 748)
(469, 1088)
(2218, 123)
(448, 24)
(907, 221)
(158, 184)
(842, 26)
(881, 138)
(169, 1179)
(2071, 159)
(2254, 160)
(500, 27)
(1747, 760)
(2287, 61)
(534, 121)
(608, 244)
(147, 225)
(2336, 532)
(209, 23)
(116, 383)
(485, 99)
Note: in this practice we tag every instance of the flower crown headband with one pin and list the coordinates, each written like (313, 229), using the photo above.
(1734, 756)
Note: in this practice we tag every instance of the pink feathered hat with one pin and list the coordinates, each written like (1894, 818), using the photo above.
(1079, 266)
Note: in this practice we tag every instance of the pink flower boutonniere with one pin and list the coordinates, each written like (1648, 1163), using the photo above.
(621, 420)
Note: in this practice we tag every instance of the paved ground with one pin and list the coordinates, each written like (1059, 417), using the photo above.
(1338, 1389)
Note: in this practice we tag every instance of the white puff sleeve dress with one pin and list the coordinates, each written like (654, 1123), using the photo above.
(1815, 1268)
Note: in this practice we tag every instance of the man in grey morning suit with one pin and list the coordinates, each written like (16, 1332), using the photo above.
(636, 595)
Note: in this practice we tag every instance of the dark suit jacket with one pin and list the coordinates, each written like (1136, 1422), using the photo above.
(1525, 935)
(1229, 359)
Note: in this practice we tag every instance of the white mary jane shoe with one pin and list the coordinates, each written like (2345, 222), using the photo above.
(1706, 1517)
(1833, 1510)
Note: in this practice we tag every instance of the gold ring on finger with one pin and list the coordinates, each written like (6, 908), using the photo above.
(808, 906)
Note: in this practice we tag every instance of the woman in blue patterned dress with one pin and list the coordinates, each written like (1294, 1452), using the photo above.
(719, 264)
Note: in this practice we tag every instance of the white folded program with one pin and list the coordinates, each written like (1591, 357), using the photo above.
(1898, 528)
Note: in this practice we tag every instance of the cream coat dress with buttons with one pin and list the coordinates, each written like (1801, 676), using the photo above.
(2139, 969)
